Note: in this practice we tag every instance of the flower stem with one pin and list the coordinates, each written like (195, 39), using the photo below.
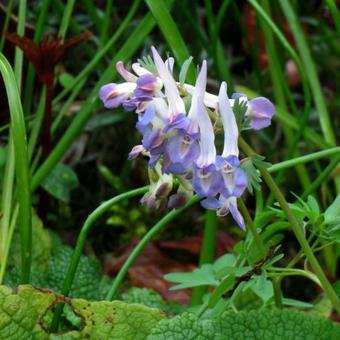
(277, 292)
(296, 228)
(98, 212)
(303, 159)
(207, 252)
(155, 230)
(251, 226)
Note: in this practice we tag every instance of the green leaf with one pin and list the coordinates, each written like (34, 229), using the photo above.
(203, 276)
(313, 205)
(66, 80)
(332, 213)
(88, 276)
(187, 326)
(222, 288)
(23, 313)
(184, 70)
(60, 182)
(41, 247)
(259, 161)
(250, 166)
(262, 287)
(254, 178)
(50, 263)
(258, 324)
(3, 156)
(150, 298)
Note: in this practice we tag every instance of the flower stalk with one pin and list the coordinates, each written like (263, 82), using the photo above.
(297, 230)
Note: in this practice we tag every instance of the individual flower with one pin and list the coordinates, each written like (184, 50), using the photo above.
(234, 179)
(113, 95)
(159, 189)
(206, 179)
(260, 112)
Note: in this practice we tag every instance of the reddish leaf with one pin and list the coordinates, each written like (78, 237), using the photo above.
(45, 55)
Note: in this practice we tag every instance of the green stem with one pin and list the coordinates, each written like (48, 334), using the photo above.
(152, 233)
(322, 177)
(335, 14)
(30, 73)
(36, 126)
(19, 55)
(296, 228)
(8, 243)
(6, 23)
(92, 13)
(65, 21)
(105, 27)
(278, 79)
(207, 252)
(251, 226)
(277, 292)
(311, 72)
(304, 159)
(6, 205)
(93, 217)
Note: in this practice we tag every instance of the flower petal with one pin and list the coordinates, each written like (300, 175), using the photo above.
(176, 104)
(229, 123)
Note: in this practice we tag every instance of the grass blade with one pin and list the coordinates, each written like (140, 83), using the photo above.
(18, 131)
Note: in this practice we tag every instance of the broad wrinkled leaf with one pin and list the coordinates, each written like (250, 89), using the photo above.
(60, 182)
(258, 324)
(23, 316)
(203, 276)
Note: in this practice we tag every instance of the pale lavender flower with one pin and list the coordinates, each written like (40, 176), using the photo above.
(234, 180)
(113, 95)
(206, 179)
(260, 112)
(175, 102)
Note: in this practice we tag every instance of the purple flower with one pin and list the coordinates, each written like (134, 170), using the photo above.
(180, 152)
(175, 102)
(180, 122)
(136, 150)
(235, 179)
(229, 124)
(113, 95)
(206, 180)
(224, 206)
(260, 112)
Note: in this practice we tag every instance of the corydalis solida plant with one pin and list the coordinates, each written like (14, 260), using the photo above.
(180, 139)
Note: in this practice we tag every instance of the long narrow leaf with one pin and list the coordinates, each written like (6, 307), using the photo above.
(18, 131)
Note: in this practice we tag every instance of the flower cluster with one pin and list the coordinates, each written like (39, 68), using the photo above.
(179, 138)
